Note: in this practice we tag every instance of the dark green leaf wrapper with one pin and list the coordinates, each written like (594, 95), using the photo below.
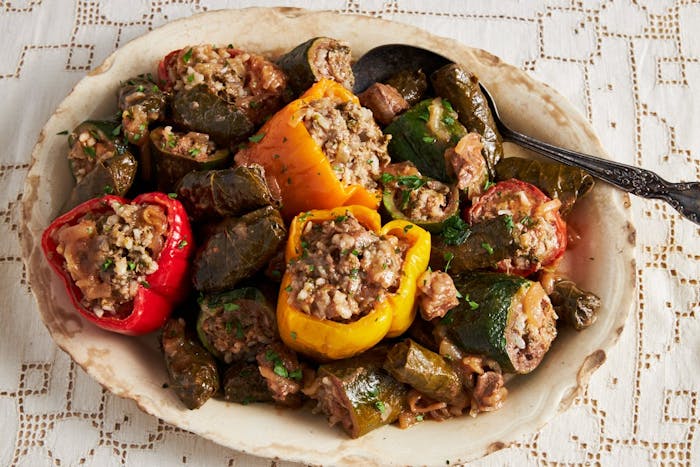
(574, 306)
(461, 88)
(560, 181)
(243, 384)
(112, 176)
(236, 249)
(426, 371)
(224, 193)
(484, 244)
(412, 85)
(199, 110)
(192, 370)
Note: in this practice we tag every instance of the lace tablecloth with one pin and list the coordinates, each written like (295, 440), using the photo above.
(631, 66)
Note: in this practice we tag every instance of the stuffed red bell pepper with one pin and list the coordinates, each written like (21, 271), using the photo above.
(125, 264)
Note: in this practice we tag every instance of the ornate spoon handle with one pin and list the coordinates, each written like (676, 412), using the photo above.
(684, 197)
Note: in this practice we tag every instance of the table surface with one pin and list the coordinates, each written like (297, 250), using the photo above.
(632, 67)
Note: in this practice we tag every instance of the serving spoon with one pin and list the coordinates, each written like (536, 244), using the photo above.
(380, 63)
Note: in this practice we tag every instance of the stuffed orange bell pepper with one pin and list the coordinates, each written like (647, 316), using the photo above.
(349, 282)
(309, 176)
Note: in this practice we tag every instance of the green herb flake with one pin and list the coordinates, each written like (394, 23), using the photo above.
(254, 104)
(108, 189)
(508, 220)
(341, 218)
(256, 138)
(276, 156)
(172, 195)
(90, 151)
(379, 405)
(293, 335)
(407, 228)
(448, 257)
(488, 184)
(155, 88)
(229, 327)
(187, 56)
(231, 306)
(412, 182)
(419, 417)
(446, 104)
(140, 88)
(117, 129)
(472, 304)
(239, 330)
(288, 288)
(145, 284)
(386, 178)
(486, 246)
(280, 370)
(429, 139)
(108, 262)
(131, 265)
(182, 244)
(190, 78)
(354, 272)
(194, 152)
(355, 252)
(296, 374)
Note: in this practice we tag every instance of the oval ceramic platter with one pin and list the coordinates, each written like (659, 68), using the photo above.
(602, 261)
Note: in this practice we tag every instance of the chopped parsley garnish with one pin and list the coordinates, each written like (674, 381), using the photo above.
(140, 88)
(117, 130)
(448, 257)
(190, 78)
(341, 218)
(508, 220)
(472, 304)
(486, 246)
(90, 151)
(146, 284)
(412, 182)
(187, 56)
(407, 228)
(293, 335)
(379, 405)
(288, 288)
(194, 151)
(429, 139)
(419, 417)
(386, 178)
(296, 374)
(488, 184)
(131, 265)
(256, 138)
(108, 262)
(108, 189)
(231, 306)
(172, 195)
(455, 231)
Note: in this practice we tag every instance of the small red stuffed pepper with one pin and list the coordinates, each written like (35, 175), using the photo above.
(125, 264)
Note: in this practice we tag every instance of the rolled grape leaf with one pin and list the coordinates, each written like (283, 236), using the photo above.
(568, 184)
(199, 110)
(192, 370)
(224, 193)
(236, 249)
(424, 370)
(574, 306)
(456, 84)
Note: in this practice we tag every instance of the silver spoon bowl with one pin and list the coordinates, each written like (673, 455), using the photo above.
(382, 62)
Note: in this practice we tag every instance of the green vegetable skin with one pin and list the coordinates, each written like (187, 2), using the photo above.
(301, 64)
(199, 110)
(479, 324)
(370, 395)
(413, 140)
(568, 184)
(224, 193)
(392, 201)
(461, 88)
(246, 323)
(171, 167)
(192, 370)
(466, 248)
(425, 370)
(237, 248)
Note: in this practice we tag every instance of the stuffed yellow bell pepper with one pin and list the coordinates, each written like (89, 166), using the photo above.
(309, 178)
(318, 328)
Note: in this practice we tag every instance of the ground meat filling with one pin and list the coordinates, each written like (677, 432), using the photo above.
(437, 294)
(87, 151)
(532, 328)
(334, 62)
(109, 256)
(196, 146)
(251, 82)
(350, 139)
(344, 269)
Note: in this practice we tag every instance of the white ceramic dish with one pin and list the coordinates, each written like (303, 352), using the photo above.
(602, 261)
